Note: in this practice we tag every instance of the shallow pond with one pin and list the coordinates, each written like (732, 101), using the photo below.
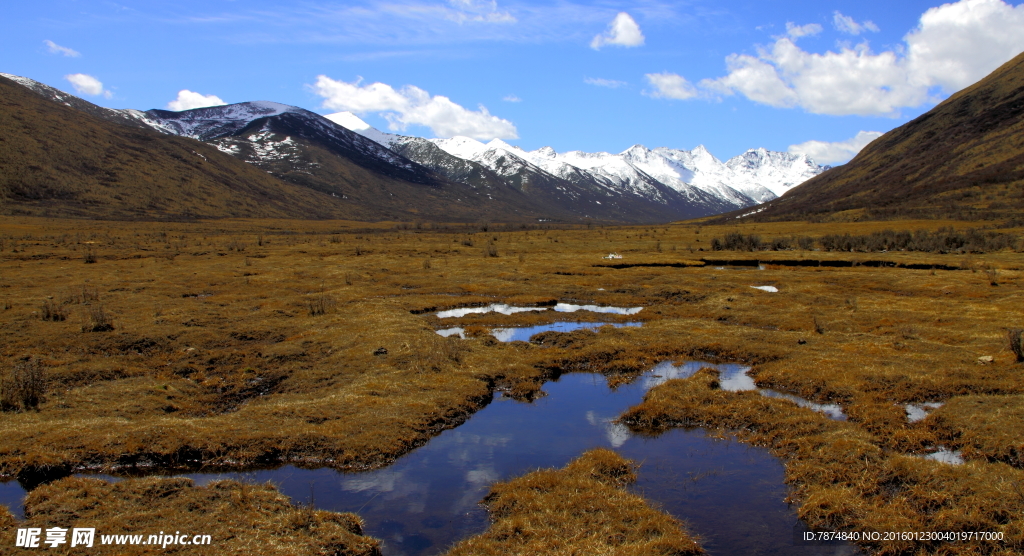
(730, 494)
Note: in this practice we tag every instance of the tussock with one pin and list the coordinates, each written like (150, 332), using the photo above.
(583, 508)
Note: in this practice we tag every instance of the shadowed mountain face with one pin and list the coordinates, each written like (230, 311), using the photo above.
(963, 159)
(63, 156)
(60, 160)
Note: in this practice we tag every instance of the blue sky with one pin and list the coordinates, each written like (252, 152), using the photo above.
(573, 75)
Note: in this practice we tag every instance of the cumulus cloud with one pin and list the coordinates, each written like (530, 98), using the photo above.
(848, 25)
(87, 85)
(599, 82)
(622, 31)
(413, 106)
(953, 46)
(794, 31)
(187, 100)
(838, 152)
(670, 85)
(511, 98)
(55, 48)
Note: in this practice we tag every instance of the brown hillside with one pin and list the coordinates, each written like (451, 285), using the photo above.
(58, 161)
(963, 159)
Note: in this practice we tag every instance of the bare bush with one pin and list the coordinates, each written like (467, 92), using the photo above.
(99, 320)
(53, 311)
(1016, 339)
(320, 303)
(23, 387)
(491, 250)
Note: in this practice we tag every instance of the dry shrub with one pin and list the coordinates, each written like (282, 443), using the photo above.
(53, 311)
(319, 303)
(98, 321)
(491, 250)
(1015, 336)
(241, 519)
(24, 386)
(583, 508)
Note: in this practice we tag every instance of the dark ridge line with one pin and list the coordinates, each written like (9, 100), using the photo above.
(784, 262)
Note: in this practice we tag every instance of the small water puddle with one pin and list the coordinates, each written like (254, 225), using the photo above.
(918, 411)
(570, 308)
(524, 333)
(733, 378)
(492, 308)
(560, 307)
(730, 494)
(945, 455)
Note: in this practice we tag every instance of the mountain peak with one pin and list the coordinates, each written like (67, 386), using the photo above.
(349, 120)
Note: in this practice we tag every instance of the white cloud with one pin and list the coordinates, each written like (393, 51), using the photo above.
(599, 82)
(953, 46)
(413, 106)
(478, 11)
(622, 31)
(837, 152)
(670, 85)
(55, 48)
(187, 100)
(87, 85)
(796, 31)
(848, 25)
(512, 98)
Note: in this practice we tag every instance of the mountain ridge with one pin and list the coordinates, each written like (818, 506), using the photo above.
(739, 182)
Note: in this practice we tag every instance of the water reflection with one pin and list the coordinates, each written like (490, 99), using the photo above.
(560, 307)
(729, 493)
(524, 333)
(918, 411)
(733, 378)
(570, 308)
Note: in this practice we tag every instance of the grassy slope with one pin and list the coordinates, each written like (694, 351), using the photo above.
(963, 158)
(59, 161)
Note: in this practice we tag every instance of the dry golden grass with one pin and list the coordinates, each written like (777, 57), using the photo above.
(240, 519)
(987, 427)
(215, 359)
(844, 476)
(583, 509)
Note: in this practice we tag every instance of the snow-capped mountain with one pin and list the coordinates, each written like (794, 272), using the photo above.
(339, 154)
(752, 178)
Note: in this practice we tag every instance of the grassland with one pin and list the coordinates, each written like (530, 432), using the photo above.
(239, 343)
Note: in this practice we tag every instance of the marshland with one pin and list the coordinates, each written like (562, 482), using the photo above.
(136, 351)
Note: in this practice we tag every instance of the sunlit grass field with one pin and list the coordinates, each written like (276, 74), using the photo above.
(232, 344)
